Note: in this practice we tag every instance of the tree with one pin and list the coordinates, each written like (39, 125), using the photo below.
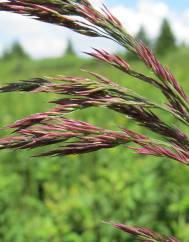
(166, 42)
(69, 49)
(141, 36)
(15, 51)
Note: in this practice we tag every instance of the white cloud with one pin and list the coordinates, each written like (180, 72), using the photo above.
(44, 40)
(185, 16)
(97, 3)
(35, 46)
(38, 38)
(150, 13)
(41, 39)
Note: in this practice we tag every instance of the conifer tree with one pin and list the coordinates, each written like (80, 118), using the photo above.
(16, 51)
(143, 37)
(166, 42)
(70, 49)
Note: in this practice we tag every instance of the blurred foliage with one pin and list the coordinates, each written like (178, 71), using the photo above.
(66, 199)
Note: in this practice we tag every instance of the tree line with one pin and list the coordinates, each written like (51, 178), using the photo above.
(162, 45)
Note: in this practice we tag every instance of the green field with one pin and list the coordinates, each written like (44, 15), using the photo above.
(66, 199)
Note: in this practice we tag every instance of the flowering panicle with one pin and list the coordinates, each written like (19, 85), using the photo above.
(84, 93)
(47, 14)
(157, 148)
(144, 234)
(47, 129)
(76, 137)
(178, 99)
(178, 102)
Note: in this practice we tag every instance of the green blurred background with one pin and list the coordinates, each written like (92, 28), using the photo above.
(67, 199)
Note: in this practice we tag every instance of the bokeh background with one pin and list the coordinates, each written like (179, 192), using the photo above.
(66, 199)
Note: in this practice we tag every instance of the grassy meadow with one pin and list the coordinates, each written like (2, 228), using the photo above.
(67, 199)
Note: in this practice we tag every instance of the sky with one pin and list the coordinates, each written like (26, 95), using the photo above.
(44, 40)
(174, 4)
